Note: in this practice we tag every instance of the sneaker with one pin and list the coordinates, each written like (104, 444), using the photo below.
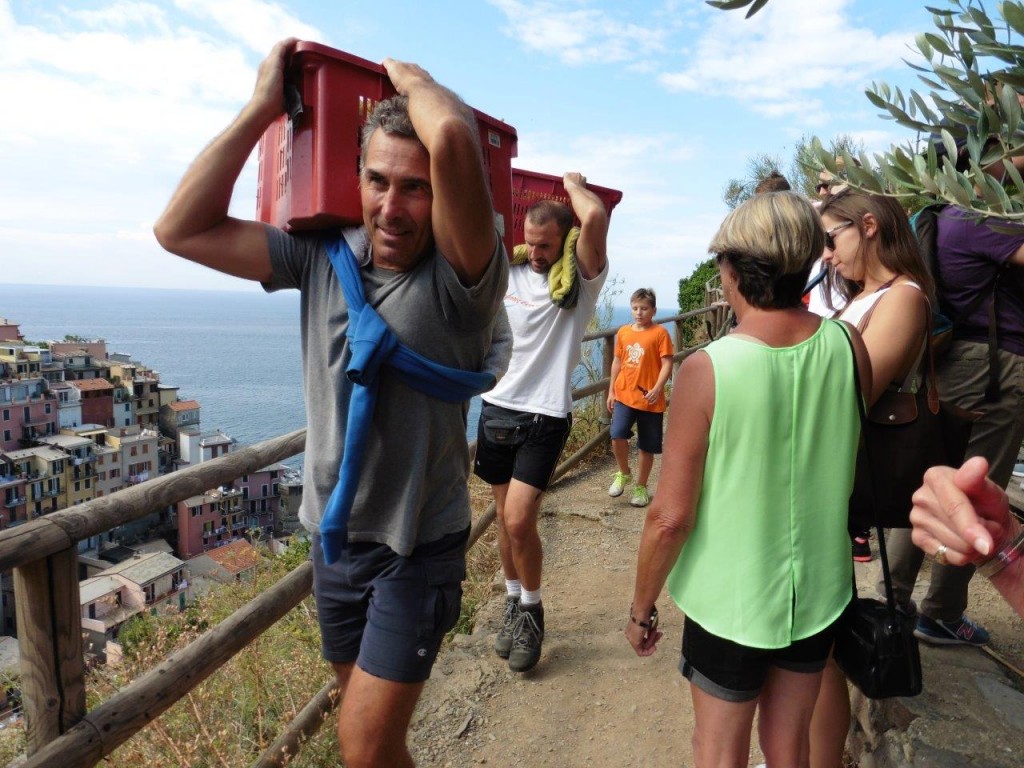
(526, 638)
(619, 484)
(963, 631)
(640, 497)
(861, 549)
(503, 642)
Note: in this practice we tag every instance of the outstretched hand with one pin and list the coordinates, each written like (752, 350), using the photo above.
(962, 510)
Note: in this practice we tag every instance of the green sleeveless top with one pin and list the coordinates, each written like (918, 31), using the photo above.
(768, 560)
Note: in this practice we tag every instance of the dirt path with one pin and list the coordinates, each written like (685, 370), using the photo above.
(591, 701)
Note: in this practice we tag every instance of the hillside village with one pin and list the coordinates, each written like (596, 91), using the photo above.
(79, 422)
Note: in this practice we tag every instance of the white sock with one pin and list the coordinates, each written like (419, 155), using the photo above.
(530, 597)
(513, 587)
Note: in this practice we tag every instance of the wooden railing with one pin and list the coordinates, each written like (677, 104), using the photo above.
(43, 554)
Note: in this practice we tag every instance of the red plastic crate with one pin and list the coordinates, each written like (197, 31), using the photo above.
(309, 166)
(528, 187)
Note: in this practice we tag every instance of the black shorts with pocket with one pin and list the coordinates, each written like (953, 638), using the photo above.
(735, 672)
(518, 445)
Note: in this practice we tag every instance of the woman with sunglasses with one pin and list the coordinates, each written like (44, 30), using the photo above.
(878, 272)
(748, 528)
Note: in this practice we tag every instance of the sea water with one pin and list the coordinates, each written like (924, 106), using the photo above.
(236, 352)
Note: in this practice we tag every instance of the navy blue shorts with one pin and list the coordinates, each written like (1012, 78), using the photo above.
(648, 426)
(386, 612)
(734, 672)
(528, 453)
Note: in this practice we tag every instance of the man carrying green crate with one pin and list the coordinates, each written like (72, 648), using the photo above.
(388, 563)
(525, 420)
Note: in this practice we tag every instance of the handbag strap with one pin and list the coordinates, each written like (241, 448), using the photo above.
(890, 599)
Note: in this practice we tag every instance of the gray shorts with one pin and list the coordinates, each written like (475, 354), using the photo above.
(389, 613)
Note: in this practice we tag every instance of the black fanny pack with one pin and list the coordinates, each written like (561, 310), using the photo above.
(504, 427)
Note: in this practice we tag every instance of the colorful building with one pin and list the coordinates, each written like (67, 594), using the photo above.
(80, 477)
(210, 520)
(69, 404)
(44, 470)
(27, 411)
(138, 452)
(97, 401)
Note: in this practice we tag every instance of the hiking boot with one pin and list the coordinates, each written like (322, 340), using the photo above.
(526, 638)
(861, 549)
(619, 483)
(640, 497)
(503, 642)
(963, 631)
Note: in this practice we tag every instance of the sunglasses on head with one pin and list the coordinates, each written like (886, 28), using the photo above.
(830, 241)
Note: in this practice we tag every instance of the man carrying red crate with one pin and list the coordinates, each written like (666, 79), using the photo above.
(525, 419)
(426, 267)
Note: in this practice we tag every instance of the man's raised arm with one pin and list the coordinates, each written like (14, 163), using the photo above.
(195, 224)
(592, 247)
(462, 216)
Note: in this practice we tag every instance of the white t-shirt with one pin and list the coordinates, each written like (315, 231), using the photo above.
(546, 343)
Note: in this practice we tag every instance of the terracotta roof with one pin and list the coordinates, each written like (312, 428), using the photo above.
(183, 405)
(235, 557)
(89, 385)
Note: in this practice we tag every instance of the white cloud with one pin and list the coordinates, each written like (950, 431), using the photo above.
(121, 15)
(106, 109)
(576, 33)
(257, 24)
(775, 60)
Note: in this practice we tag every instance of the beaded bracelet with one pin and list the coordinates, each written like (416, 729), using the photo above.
(1007, 555)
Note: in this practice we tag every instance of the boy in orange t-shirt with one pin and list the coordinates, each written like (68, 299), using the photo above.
(642, 366)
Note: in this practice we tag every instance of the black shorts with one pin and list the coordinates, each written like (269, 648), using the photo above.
(386, 612)
(528, 453)
(734, 672)
(648, 426)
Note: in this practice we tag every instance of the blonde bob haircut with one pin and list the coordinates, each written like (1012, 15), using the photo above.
(771, 241)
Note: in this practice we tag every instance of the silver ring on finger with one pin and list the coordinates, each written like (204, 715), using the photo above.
(940, 555)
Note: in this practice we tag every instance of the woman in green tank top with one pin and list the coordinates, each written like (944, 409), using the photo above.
(748, 525)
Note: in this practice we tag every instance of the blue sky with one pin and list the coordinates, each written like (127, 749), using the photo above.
(106, 103)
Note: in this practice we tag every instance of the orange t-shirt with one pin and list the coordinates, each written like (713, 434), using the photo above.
(640, 354)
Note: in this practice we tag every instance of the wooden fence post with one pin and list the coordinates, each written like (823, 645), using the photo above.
(607, 356)
(50, 642)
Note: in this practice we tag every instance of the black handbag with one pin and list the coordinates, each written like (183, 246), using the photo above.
(876, 649)
(875, 644)
(907, 432)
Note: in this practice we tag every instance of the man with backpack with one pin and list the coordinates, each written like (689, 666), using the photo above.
(978, 265)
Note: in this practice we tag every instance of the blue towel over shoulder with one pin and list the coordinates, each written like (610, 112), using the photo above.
(373, 345)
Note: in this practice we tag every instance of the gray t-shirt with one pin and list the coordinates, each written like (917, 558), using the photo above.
(413, 485)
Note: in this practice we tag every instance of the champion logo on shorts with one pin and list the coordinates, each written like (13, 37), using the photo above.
(421, 652)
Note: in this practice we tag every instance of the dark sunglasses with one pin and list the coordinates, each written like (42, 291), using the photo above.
(830, 241)
(823, 186)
